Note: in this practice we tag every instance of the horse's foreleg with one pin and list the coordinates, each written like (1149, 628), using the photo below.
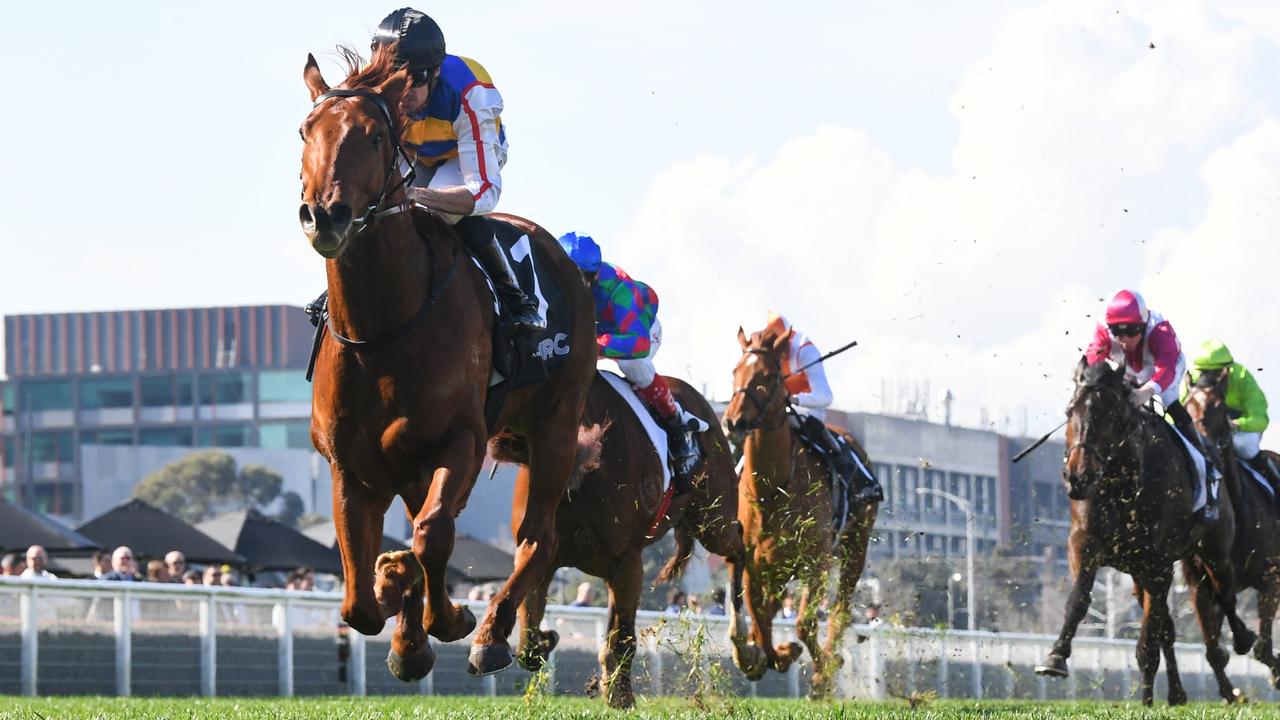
(1268, 598)
(541, 485)
(762, 607)
(1077, 605)
(536, 644)
(449, 485)
(1210, 617)
(357, 519)
(620, 646)
(748, 657)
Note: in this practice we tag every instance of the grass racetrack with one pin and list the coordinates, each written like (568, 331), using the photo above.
(572, 708)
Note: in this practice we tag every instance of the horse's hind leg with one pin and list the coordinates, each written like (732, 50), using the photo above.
(620, 643)
(1268, 596)
(1210, 618)
(1177, 694)
(815, 588)
(536, 644)
(540, 486)
(853, 557)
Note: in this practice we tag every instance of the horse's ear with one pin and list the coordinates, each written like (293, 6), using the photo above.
(393, 87)
(780, 342)
(1080, 368)
(742, 339)
(314, 80)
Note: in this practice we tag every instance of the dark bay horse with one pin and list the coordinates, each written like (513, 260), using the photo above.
(785, 506)
(1137, 488)
(606, 520)
(1256, 550)
(400, 384)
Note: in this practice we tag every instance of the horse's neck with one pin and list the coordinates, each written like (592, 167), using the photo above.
(381, 283)
(769, 457)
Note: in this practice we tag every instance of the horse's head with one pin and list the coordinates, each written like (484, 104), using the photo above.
(759, 395)
(1097, 422)
(351, 141)
(1206, 404)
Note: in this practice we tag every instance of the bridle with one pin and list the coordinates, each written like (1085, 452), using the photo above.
(762, 407)
(1083, 443)
(388, 188)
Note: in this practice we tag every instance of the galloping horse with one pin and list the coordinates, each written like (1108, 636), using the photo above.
(608, 518)
(785, 506)
(1134, 483)
(400, 389)
(1256, 550)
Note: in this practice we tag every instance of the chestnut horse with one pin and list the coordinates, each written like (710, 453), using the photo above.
(1256, 550)
(399, 396)
(1135, 486)
(606, 520)
(785, 506)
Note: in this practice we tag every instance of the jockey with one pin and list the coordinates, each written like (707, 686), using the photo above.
(1144, 343)
(1244, 400)
(810, 398)
(455, 139)
(628, 331)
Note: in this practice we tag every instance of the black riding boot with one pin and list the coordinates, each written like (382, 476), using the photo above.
(684, 452)
(1182, 420)
(480, 240)
(868, 489)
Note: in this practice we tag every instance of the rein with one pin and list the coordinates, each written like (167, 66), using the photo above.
(763, 407)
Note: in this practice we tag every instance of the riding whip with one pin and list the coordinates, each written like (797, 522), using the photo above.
(831, 354)
(1038, 443)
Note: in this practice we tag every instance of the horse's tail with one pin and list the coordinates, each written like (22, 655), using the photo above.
(679, 559)
(511, 448)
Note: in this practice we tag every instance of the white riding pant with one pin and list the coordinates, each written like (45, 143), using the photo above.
(640, 371)
(1248, 444)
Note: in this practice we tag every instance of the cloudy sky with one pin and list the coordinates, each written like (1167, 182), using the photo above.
(954, 185)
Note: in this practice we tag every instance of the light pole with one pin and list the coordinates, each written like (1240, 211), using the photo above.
(971, 550)
(951, 605)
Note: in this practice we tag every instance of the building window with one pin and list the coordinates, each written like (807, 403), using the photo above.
(98, 393)
(909, 479)
(225, 389)
(6, 448)
(7, 403)
(47, 447)
(884, 473)
(46, 395)
(936, 480)
(225, 436)
(283, 386)
(184, 387)
(107, 437)
(55, 498)
(165, 436)
(156, 391)
(292, 434)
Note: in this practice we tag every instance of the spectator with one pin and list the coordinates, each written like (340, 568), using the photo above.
(717, 602)
(213, 575)
(122, 565)
(191, 577)
(228, 577)
(585, 595)
(302, 579)
(788, 611)
(157, 572)
(12, 564)
(675, 602)
(873, 615)
(824, 608)
(692, 604)
(37, 563)
(476, 594)
(176, 563)
(101, 564)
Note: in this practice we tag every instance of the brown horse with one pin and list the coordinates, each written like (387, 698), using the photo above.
(1256, 550)
(785, 506)
(607, 518)
(400, 385)
(1133, 488)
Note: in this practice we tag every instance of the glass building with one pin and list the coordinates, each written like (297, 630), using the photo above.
(193, 377)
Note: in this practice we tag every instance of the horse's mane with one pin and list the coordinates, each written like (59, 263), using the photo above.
(370, 75)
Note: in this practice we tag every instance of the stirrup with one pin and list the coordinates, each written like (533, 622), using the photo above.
(526, 319)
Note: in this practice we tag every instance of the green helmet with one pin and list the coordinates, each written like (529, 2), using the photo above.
(1211, 355)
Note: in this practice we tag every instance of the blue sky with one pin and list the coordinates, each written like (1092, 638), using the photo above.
(954, 184)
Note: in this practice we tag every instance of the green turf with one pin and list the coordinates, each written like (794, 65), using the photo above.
(572, 708)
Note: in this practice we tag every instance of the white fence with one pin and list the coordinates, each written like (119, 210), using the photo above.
(100, 638)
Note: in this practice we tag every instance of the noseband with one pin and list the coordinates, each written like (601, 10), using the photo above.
(373, 212)
(1083, 443)
(762, 407)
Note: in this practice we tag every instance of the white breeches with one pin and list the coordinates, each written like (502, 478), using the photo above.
(640, 371)
(1248, 444)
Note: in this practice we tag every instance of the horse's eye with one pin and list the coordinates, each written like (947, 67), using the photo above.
(377, 139)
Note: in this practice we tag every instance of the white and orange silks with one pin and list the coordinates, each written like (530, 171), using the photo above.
(809, 391)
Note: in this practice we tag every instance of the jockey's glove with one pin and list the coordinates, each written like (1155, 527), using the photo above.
(1142, 395)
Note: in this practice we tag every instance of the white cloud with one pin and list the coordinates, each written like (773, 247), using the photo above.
(1085, 160)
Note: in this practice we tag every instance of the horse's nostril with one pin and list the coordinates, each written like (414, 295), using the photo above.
(305, 216)
(340, 215)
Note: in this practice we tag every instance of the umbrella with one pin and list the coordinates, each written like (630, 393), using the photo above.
(268, 544)
(151, 532)
(21, 528)
(479, 561)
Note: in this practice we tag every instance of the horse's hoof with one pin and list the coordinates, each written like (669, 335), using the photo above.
(1244, 642)
(488, 659)
(796, 650)
(751, 660)
(1178, 697)
(1054, 666)
(534, 653)
(465, 626)
(414, 666)
(1275, 679)
(620, 698)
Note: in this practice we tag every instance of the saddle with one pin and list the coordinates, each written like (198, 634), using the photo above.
(518, 361)
(841, 485)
